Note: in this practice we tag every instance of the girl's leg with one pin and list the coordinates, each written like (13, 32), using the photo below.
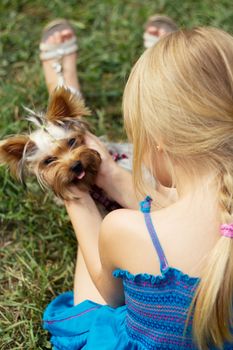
(84, 288)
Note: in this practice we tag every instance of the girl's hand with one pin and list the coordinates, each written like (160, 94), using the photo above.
(81, 197)
(107, 164)
(113, 179)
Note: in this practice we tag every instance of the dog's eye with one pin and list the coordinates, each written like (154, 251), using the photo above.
(49, 160)
(71, 142)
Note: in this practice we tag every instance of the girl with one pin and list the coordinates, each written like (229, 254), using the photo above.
(161, 279)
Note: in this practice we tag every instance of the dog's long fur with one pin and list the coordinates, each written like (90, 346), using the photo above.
(55, 152)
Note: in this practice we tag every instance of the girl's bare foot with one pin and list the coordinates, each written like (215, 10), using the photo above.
(56, 38)
(156, 27)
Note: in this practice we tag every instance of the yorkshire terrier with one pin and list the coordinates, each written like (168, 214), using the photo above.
(55, 152)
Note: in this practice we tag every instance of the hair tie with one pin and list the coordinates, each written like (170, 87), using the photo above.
(227, 230)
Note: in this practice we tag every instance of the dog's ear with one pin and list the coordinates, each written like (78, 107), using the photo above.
(12, 153)
(65, 107)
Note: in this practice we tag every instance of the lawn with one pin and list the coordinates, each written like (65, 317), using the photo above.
(37, 244)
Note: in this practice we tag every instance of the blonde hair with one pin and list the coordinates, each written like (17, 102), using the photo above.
(181, 92)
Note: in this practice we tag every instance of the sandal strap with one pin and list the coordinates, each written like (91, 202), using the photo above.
(150, 40)
(52, 51)
(57, 51)
(65, 44)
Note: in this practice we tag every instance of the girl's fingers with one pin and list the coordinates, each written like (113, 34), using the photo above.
(93, 142)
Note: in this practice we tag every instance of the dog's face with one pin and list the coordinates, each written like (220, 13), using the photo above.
(56, 152)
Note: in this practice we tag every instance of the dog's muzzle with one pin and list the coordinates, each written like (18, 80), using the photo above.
(78, 169)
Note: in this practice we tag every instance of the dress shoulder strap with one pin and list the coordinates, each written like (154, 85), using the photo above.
(145, 207)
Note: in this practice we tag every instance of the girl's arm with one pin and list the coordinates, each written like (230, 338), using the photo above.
(97, 246)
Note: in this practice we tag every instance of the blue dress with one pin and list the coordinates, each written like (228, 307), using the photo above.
(153, 317)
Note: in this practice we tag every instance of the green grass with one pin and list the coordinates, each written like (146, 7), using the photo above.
(37, 249)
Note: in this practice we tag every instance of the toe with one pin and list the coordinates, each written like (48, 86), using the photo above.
(152, 30)
(50, 39)
(57, 37)
(67, 34)
(156, 31)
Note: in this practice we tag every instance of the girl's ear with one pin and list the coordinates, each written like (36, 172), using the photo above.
(12, 151)
(64, 107)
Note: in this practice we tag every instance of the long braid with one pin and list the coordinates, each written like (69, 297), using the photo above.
(215, 292)
(226, 196)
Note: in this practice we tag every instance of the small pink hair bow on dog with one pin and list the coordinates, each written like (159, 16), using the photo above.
(227, 230)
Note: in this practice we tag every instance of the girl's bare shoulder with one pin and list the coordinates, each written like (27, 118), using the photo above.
(121, 227)
(122, 221)
(127, 240)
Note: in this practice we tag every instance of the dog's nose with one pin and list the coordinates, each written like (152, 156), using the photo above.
(77, 167)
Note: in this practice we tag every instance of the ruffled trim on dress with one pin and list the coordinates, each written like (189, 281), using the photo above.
(157, 279)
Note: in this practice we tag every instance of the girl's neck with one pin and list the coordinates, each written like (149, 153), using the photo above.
(197, 205)
(190, 185)
(200, 195)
